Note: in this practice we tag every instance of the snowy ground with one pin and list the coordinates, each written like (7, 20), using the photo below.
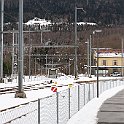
(88, 114)
(89, 110)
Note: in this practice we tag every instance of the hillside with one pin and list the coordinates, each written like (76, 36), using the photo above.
(99, 11)
(108, 14)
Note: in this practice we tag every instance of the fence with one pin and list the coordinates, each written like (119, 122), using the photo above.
(57, 108)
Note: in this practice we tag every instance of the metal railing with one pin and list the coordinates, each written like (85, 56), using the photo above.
(57, 108)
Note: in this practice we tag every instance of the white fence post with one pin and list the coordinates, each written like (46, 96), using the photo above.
(38, 111)
(84, 94)
(78, 97)
(89, 93)
(69, 101)
(57, 107)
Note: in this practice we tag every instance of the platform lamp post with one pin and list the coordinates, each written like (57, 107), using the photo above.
(20, 93)
(90, 51)
(97, 31)
(75, 62)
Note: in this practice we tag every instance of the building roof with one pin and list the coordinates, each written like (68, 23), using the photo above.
(86, 23)
(110, 53)
(39, 21)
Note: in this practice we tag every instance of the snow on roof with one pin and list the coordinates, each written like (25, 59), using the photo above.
(110, 53)
(39, 21)
(86, 23)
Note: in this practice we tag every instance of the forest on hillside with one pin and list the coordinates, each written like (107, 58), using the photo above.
(99, 11)
(108, 14)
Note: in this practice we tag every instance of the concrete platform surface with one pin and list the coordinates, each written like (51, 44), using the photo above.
(112, 110)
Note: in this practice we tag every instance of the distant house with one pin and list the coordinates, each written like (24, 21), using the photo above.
(38, 22)
(109, 61)
(86, 23)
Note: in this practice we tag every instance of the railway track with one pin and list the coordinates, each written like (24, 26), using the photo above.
(29, 87)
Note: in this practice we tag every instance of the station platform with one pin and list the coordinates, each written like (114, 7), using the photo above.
(112, 110)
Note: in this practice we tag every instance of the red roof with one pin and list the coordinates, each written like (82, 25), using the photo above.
(110, 51)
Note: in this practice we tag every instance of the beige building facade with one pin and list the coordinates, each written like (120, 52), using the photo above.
(109, 61)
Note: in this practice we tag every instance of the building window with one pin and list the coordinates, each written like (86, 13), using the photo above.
(104, 62)
(114, 62)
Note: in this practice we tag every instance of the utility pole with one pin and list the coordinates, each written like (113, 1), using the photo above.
(41, 37)
(15, 55)
(46, 64)
(87, 2)
(1, 41)
(20, 93)
(35, 67)
(12, 54)
(29, 57)
(97, 70)
(69, 66)
(75, 62)
(90, 45)
(122, 61)
(52, 62)
(87, 57)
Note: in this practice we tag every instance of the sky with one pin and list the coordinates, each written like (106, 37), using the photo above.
(89, 110)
